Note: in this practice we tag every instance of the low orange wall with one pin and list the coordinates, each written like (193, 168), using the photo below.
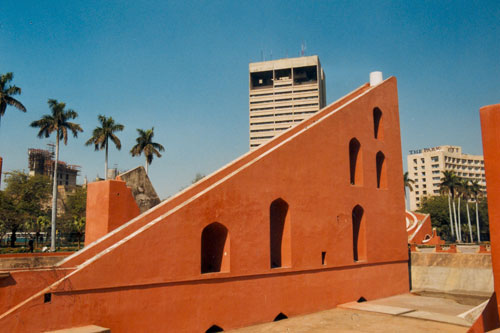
(35, 254)
(24, 283)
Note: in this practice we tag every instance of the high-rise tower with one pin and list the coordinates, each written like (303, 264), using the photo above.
(282, 93)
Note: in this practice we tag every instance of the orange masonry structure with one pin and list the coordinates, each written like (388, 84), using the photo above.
(490, 128)
(420, 231)
(305, 222)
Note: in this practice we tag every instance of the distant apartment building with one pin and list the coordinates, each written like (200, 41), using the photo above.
(41, 162)
(282, 93)
(426, 166)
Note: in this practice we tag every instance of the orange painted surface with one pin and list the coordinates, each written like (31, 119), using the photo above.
(435, 239)
(490, 128)
(22, 284)
(420, 231)
(206, 182)
(109, 204)
(488, 320)
(273, 230)
(483, 249)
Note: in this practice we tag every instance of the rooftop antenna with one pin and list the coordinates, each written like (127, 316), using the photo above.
(261, 55)
(303, 48)
(271, 55)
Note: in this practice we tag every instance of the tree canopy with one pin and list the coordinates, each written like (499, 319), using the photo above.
(6, 93)
(146, 146)
(23, 201)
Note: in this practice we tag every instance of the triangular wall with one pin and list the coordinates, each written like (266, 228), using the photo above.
(280, 230)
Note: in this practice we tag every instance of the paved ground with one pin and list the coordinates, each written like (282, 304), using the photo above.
(343, 320)
(403, 313)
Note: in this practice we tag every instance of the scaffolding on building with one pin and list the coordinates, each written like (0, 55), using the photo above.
(41, 162)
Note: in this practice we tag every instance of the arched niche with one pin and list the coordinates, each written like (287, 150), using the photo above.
(355, 162)
(358, 233)
(279, 227)
(378, 127)
(215, 248)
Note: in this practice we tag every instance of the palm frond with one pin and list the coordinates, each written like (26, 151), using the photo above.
(15, 103)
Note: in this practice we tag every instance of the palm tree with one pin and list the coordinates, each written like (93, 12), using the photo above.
(57, 122)
(408, 182)
(449, 184)
(465, 189)
(475, 189)
(146, 145)
(459, 193)
(102, 135)
(6, 93)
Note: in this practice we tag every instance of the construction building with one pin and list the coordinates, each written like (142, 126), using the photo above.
(41, 162)
(282, 93)
(426, 166)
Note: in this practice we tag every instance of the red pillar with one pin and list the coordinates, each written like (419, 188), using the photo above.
(490, 127)
(109, 205)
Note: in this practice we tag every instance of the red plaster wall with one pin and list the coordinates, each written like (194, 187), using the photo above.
(22, 284)
(490, 128)
(110, 203)
(146, 276)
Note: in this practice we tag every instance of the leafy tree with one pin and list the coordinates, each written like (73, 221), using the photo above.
(437, 207)
(78, 228)
(76, 203)
(23, 200)
(10, 217)
(197, 178)
(146, 146)
(74, 217)
(59, 122)
(102, 135)
(6, 93)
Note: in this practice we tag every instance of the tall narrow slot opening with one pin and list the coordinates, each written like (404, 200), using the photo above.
(355, 162)
(358, 234)
(381, 170)
(280, 246)
(378, 124)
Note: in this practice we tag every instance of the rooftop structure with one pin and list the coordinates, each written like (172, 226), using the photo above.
(282, 93)
(41, 162)
(426, 166)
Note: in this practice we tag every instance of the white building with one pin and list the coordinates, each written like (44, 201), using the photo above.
(426, 166)
(283, 92)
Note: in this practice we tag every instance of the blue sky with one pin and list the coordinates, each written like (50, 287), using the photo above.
(182, 67)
